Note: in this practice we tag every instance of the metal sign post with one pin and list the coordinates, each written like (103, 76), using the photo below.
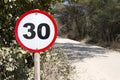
(36, 66)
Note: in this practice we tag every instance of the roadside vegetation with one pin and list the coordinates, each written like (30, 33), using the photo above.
(16, 64)
(95, 21)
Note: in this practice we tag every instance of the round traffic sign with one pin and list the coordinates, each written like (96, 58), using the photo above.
(36, 31)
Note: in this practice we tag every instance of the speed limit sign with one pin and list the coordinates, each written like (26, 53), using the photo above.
(36, 31)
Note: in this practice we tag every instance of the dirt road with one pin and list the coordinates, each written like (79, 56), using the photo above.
(91, 62)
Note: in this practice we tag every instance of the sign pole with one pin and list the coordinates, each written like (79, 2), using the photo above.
(36, 31)
(36, 66)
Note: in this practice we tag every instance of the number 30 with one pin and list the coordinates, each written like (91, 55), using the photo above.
(39, 31)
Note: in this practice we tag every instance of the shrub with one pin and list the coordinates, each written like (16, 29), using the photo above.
(16, 64)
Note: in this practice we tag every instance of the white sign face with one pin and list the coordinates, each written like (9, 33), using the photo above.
(36, 31)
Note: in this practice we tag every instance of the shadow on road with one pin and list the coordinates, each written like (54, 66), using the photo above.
(81, 51)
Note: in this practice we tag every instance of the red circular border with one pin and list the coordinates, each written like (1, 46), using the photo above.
(41, 12)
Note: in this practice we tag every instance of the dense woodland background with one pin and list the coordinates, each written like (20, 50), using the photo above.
(95, 21)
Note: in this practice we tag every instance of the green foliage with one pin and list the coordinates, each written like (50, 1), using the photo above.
(10, 10)
(15, 64)
(5, 1)
(106, 19)
(97, 19)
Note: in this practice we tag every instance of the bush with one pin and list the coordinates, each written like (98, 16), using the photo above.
(55, 65)
(16, 64)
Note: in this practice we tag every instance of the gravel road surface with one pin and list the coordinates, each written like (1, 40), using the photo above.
(91, 62)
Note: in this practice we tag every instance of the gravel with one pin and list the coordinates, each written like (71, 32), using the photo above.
(91, 62)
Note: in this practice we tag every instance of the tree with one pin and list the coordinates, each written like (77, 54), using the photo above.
(75, 17)
(103, 19)
(96, 19)
(10, 10)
